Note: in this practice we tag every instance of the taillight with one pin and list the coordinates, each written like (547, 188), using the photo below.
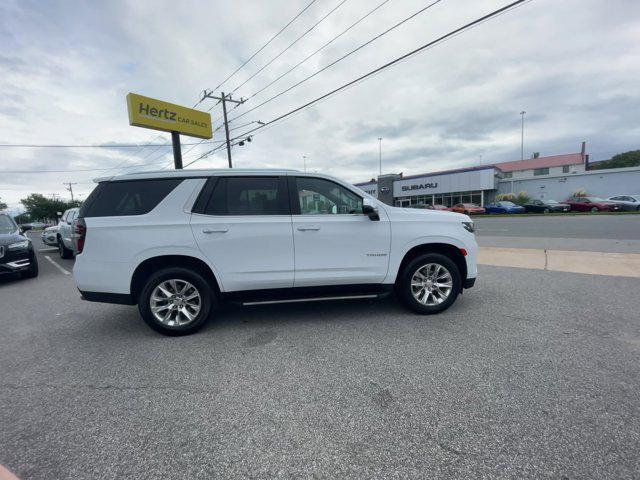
(81, 234)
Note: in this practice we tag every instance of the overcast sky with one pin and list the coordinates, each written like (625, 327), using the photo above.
(66, 67)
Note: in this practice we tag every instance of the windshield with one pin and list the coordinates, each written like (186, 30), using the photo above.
(6, 224)
(595, 199)
(507, 204)
(551, 201)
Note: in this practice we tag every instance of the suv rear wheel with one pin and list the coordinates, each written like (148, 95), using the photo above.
(176, 301)
(430, 283)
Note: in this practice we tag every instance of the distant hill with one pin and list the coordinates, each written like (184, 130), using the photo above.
(621, 160)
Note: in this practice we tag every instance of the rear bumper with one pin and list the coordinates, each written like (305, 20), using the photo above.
(117, 298)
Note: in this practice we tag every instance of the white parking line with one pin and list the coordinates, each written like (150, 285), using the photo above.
(66, 272)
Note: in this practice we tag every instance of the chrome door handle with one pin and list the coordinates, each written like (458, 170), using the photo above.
(215, 230)
(304, 229)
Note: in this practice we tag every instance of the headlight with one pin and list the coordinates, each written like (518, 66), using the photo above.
(19, 245)
(468, 226)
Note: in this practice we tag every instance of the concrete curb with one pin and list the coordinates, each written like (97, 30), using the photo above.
(592, 263)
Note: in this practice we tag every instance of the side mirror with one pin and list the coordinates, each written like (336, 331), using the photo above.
(370, 210)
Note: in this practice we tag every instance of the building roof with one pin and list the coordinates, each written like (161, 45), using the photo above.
(542, 162)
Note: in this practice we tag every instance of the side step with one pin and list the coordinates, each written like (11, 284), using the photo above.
(311, 299)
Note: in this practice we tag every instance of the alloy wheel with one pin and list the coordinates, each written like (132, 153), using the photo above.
(431, 284)
(175, 302)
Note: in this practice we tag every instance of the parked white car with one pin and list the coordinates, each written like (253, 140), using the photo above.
(50, 236)
(178, 243)
(627, 202)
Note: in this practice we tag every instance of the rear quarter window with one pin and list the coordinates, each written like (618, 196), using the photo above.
(128, 197)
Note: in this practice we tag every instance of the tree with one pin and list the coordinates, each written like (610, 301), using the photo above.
(3, 206)
(40, 207)
(621, 160)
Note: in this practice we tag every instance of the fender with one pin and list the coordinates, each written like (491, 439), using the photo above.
(398, 254)
(187, 251)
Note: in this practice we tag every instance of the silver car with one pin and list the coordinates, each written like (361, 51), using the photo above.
(50, 236)
(66, 233)
(627, 202)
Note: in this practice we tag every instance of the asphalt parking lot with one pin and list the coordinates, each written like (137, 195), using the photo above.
(532, 374)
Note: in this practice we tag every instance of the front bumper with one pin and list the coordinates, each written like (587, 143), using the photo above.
(50, 240)
(14, 265)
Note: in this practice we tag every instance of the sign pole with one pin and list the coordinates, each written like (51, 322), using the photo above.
(177, 151)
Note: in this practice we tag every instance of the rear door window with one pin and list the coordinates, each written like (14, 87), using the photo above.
(128, 197)
(248, 196)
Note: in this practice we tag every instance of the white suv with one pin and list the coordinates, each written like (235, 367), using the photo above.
(177, 243)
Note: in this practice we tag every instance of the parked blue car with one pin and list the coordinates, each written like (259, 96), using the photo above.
(503, 207)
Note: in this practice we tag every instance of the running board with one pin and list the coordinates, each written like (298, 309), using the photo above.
(310, 299)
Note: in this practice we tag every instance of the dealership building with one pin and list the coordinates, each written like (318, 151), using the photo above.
(553, 177)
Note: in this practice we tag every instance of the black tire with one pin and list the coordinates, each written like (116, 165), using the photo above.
(466, 212)
(404, 288)
(33, 269)
(546, 210)
(594, 209)
(208, 300)
(64, 251)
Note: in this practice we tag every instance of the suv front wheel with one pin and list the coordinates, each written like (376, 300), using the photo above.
(176, 301)
(64, 251)
(430, 283)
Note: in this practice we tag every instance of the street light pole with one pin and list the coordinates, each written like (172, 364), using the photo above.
(380, 152)
(522, 114)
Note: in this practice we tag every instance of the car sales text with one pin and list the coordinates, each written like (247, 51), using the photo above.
(166, 114)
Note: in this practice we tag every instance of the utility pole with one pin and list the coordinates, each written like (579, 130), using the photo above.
(304, 161)
(380, 152)
(522, 114)
(224, 99)
(70, 188)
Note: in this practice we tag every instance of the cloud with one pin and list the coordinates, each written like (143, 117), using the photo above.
(66, 69)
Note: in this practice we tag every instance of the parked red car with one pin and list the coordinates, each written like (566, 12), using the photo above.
(468, 208)
(592, 204)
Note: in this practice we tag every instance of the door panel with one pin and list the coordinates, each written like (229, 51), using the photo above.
(336, 248)
(249, 252)
(244, 229)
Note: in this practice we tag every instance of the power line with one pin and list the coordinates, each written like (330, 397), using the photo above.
(260, 49)
(426, 46)
(70, 171)
(360, 47)
(361, 19)
(290, 45)
(118, 145)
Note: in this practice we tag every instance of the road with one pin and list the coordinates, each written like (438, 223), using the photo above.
(600, 233)
(532, 374)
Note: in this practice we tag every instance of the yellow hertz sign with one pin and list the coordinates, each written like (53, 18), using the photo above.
(158, 115)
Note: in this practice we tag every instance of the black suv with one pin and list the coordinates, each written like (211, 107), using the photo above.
(16, 250)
